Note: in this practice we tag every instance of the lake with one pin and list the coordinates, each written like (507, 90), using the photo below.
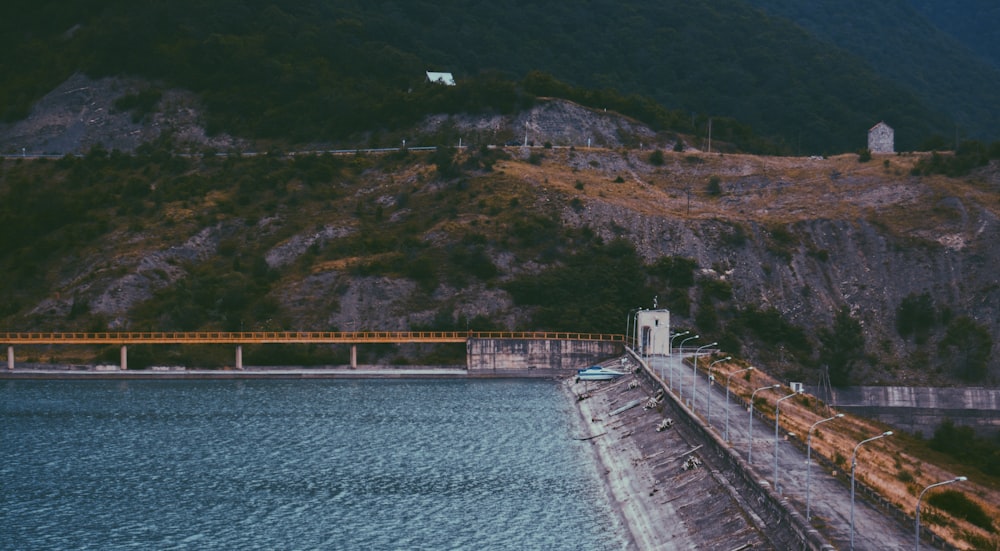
(298, 464)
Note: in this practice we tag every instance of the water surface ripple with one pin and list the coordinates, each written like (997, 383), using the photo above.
(297, 465)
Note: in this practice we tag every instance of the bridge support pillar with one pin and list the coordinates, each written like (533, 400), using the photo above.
(239, 357)
(10, 358)
(354, 356)
(124, 357)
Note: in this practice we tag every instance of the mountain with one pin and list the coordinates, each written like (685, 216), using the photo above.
(871, 268)
(807, 79)
(974, 23)
(782, 260)
(928, 48)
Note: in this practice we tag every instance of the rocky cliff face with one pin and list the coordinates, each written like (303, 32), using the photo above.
(845, 234)
(80, 113)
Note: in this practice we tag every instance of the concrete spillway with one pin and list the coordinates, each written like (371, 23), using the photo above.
(676, 488)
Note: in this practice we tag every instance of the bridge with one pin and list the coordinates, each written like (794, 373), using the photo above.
(489, 339)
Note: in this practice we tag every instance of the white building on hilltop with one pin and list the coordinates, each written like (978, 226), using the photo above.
(881, 138)
(441, 78)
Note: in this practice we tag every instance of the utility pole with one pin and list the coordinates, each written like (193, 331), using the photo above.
(710, 134)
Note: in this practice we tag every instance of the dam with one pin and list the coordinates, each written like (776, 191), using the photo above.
(681, 487)
(500, 353)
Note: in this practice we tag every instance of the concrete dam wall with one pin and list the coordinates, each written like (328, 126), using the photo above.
(922, 409)
(541, 357)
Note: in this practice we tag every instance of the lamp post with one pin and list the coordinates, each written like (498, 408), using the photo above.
(730, 376)
(680, 378)
(628, 323)
(636, 333)
(854, 462)
(809, 436)
(777, 413)
(916, 547)
(694, 374)
(649, 356)
(708, 395)
(670, 349)
(750, 423)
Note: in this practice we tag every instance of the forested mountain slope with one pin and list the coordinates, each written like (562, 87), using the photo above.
(874, 270)
(975, 23)
(317, 71)
(927, 52)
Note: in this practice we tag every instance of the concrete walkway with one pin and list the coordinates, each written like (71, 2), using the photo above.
(830, 498)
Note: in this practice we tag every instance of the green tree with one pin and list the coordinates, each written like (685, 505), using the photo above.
(962, 444)
(587, 291)
(714, 187)
(958, 504)
(915, 317)
(842, 347)
(444, 160)
(967, 344)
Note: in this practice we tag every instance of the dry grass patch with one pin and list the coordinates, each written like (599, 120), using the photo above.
(884, 460)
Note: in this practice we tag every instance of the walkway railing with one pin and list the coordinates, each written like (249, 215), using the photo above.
(270, 337)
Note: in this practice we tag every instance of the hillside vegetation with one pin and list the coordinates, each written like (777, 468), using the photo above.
(348, 71)
(781, 259)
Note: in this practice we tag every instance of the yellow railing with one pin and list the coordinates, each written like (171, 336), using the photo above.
(265, 337)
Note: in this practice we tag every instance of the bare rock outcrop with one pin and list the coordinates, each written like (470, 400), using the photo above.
(80, 113)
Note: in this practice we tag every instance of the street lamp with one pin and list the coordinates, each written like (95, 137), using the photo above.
(628, 323)
(711, 377)
(921, 496)
(670, 352)
(670, 349)
(727, 396)
(750, 423)
(854, 462)
(777, 413)
(680, 379)
(809, 453)
(694, 374)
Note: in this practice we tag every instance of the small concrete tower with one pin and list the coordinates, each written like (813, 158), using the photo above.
(654, 332)
(881, 138)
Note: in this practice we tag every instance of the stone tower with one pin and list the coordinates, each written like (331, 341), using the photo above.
(881, 138)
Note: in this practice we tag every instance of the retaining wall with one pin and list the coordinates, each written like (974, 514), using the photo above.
(540, 356)
(922, 409)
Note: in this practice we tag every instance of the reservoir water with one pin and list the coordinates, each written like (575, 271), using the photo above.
(293, 464)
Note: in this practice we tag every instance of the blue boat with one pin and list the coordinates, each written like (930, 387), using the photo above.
(597, 373)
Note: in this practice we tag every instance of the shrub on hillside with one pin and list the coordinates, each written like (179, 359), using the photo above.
(714, 188)
(956, 503)
(961, 444)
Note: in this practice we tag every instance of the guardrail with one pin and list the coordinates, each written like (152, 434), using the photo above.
(266, 337)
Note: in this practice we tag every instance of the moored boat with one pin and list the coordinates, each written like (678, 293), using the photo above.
(597, 373)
